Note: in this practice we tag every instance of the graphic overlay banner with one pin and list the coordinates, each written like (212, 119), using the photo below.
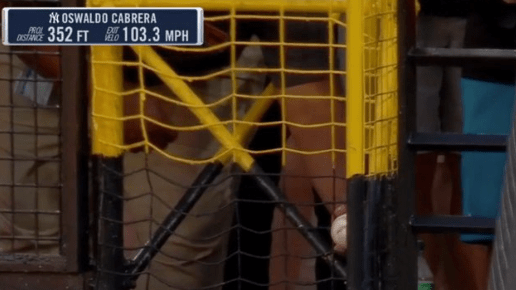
(102, 26)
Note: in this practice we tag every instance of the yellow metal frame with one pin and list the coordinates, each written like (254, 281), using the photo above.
(338, 6)
(198, 108)
(108, 80)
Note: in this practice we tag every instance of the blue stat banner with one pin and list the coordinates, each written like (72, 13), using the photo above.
(102, 26)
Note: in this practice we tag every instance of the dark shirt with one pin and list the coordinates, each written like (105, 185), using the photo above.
(445, 8)
(491, 25)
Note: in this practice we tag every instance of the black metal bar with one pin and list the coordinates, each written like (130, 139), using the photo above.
(405, 246)
(355, 231)
(462, 224)
(462, 57)
(370, 255)
(172, 221)
(75, 155)
(73, 165)
(457, 142)
(375, 229)
(292, 213)
(387, 234)
(111, 260)
(94, 208)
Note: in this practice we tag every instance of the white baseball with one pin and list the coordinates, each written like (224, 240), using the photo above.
(338, 230)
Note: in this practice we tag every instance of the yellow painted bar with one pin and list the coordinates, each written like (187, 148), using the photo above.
(385, 131)
(382, 127)
(373, 60)
(393, 100)
(205, 115)
(339, 6)
(355, 92)
(107, 134)
(243, 131)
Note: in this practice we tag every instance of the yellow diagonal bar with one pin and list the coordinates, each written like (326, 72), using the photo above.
(242, 131)
(199, 109)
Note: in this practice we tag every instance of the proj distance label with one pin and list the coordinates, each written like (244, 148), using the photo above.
(102, 26)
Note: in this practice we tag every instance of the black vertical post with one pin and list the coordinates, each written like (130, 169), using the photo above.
(74, 153)
(387, 235)
(370, 255)
(355, 231)
(365, 233)
(111, 260)
(405, 247)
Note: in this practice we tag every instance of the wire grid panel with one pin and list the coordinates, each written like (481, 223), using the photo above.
(210, 101)
(30, 148)
(107, 106)
(381, 87)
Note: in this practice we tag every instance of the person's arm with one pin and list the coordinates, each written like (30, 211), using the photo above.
(332, 190)
(42, 59)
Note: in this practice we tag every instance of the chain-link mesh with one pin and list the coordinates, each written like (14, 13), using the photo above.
(30, 147)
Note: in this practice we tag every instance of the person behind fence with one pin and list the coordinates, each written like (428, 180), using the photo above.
(41, 235)
(174, 260)
(252, 242)
(193, 257)
(303, 111)
(440, 24)
(40, 173)
(30, 145)
(488, 98)
(24, 229)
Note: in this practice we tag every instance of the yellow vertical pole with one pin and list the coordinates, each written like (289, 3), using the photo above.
(381, 100)
(107, 101)
(354, 90)
(393, 105)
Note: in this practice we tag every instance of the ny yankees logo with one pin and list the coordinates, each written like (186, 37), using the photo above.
(54, 17)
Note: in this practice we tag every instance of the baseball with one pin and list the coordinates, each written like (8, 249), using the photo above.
(338, 230)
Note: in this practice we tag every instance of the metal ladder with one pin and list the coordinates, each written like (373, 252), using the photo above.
(411, 142)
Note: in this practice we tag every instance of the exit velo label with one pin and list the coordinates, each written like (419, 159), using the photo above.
(102, 26)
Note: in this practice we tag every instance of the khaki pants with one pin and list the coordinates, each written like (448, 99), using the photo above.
(194, 256)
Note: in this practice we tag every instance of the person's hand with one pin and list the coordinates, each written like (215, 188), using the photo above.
(510, 1)
(155, 109)
(339, 230)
